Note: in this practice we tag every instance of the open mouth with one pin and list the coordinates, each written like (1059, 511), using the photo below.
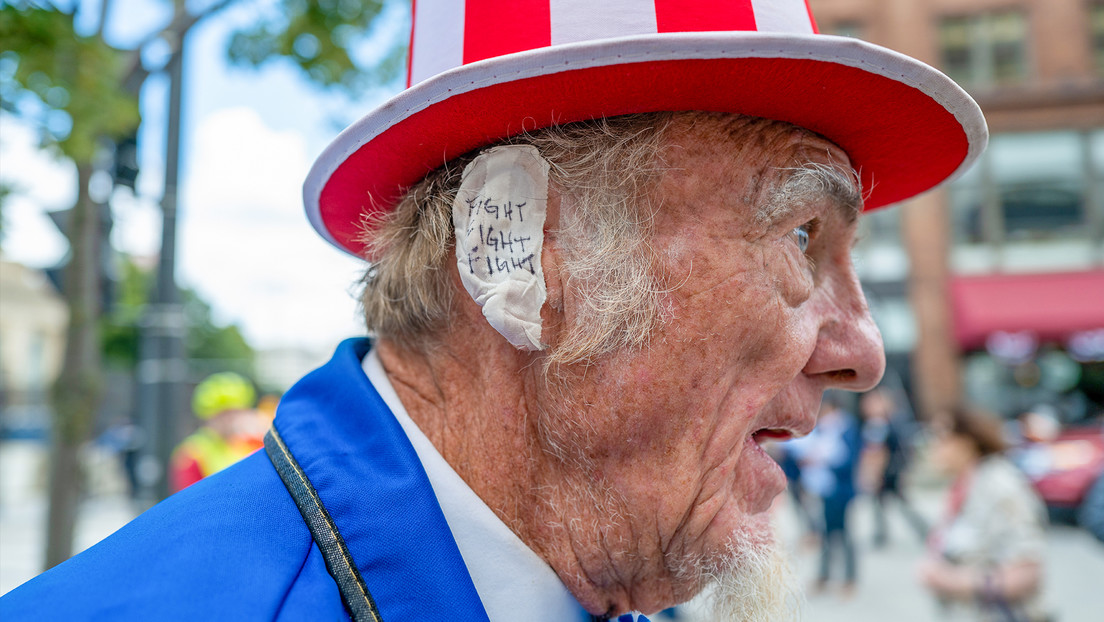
(768, 480)
(771, 434)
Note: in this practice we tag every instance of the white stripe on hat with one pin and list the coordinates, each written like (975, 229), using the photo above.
(583, 20)
(436, 46)
(782, 16)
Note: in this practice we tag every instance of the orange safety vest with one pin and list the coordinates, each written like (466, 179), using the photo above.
(204, 453)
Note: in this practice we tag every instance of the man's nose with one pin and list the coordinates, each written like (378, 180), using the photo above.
(849, 353)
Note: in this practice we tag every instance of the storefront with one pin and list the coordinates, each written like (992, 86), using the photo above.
(1031, 340)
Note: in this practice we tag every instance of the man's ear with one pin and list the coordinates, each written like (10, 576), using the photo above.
(553, 310)
(498, 218)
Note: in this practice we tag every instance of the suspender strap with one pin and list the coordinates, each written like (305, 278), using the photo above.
(354, 593)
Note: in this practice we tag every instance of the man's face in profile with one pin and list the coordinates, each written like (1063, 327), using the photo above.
(763, 312)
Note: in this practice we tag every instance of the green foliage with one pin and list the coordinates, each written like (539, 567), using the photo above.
(120, 329)
(320, 37)
(206, 340)
(66, 83)
(210, 341)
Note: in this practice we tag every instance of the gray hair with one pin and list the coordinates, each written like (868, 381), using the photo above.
(812, 181)
(603, 170)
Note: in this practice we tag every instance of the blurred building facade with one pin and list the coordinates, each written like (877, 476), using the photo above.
(33, 321)
(278, 368)
(992, 288)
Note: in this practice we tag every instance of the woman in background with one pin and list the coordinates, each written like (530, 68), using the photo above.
(985, 561)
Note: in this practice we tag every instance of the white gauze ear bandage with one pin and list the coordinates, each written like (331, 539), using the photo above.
(498, 215)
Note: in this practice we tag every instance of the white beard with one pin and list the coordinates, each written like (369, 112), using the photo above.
(753, 582)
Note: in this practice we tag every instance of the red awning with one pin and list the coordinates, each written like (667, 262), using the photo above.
(1053, 306)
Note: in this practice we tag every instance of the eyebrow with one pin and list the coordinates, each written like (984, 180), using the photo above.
(813, 182)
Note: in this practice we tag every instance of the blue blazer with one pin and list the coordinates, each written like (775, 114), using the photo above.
(235, 545)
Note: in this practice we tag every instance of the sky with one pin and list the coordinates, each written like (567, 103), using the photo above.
(250, 136)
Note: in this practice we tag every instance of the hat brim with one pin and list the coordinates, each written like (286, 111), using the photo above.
(906, 127)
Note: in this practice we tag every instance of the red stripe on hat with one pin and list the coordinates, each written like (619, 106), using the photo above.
(494, 28)
(812, 20)
(410, 46)
(703, 15)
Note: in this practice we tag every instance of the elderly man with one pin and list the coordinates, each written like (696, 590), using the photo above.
(609, 251)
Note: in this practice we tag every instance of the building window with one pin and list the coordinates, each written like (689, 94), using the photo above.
(883, 225)
(1096, 24)
(1072, 390)
(847, 28)
(986, 50)
(1032, 186)
(878, 255)
(896, 321)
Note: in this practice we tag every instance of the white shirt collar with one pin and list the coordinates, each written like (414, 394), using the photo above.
(511, 580)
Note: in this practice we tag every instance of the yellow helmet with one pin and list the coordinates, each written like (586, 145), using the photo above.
(221, 392)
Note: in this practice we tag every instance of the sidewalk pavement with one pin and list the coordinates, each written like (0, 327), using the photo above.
(23, 506)
(23, 534)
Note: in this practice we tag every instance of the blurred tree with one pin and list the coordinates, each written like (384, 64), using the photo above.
(322, 38)
(211, 341)
(60, 74)
(207, 339)
(67, 84)
(120, 330)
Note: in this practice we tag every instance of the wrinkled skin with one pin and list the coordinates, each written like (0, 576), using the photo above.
(637, 471)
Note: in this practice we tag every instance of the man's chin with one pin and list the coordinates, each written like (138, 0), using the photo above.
(753, 580)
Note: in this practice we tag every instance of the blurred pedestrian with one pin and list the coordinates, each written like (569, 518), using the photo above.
(125, 440)
(788, 454)
(985, 561)
(828, 470)
(884, 461)
(231, 430)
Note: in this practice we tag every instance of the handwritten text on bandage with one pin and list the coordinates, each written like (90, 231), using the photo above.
(499, 249)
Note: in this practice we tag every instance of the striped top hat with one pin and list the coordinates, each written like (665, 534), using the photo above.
(483, 70)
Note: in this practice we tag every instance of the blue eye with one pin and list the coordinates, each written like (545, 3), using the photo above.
(801, 234)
